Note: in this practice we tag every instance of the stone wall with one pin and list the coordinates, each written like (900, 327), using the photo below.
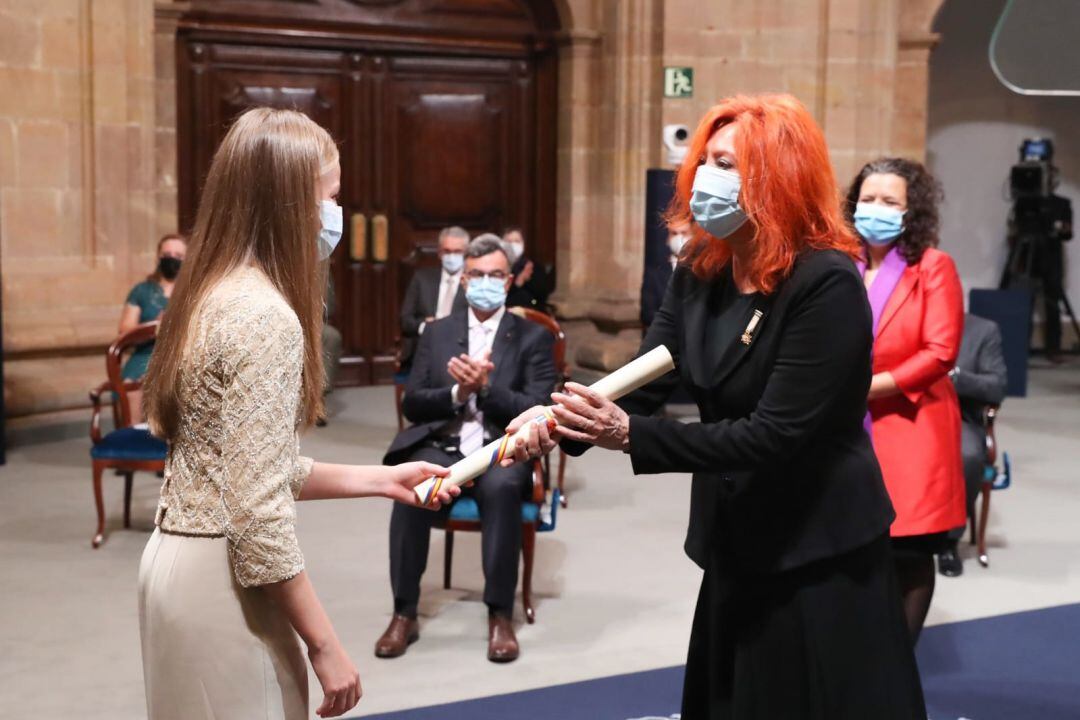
(79, 214)
(88, 148)
(858, 65)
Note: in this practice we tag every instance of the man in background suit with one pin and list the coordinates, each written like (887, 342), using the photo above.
(434, 293)
(473, 372)
(658, 275)
(980, 380)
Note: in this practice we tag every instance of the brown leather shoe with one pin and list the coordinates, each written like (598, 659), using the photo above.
(502, 643)
(400, 634)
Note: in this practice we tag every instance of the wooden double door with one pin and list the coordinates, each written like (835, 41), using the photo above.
(429, 137)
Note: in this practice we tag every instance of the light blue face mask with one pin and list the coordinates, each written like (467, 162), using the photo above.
(715, 201)
(486, 294)
(453, 262)
(332, 222)
(878, 224)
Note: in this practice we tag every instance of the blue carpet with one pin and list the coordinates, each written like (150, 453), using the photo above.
(1011, 667)
(1024, 666)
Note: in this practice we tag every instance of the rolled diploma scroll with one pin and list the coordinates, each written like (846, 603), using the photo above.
(629, 377)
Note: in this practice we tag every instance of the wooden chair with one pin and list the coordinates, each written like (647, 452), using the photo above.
(989, 484)
(126, 449)
(562, 367)
(465, 516)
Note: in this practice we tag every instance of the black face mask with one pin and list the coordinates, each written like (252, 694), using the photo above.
(169, 267)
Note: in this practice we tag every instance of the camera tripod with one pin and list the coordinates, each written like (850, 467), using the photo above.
(1030, 265)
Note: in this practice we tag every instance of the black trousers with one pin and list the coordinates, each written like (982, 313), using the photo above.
(499, 493)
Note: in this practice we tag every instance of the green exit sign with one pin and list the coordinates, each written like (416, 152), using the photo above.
(678, 82)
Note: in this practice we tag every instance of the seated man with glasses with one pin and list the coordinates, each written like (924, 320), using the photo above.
(473, 372)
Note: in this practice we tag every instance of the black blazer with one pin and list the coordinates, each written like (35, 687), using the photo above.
(784, 473)
(524, 376)
(421, 301)
(980, 378)
(653, 285)
(534, 293)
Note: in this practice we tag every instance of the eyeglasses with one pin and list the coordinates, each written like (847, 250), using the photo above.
(479, 274)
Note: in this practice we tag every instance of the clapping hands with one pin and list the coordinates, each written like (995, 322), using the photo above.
(470, 373)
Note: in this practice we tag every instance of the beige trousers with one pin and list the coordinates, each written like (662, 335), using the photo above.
(211, 649)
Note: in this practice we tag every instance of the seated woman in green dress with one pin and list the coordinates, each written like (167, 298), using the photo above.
(144, 304)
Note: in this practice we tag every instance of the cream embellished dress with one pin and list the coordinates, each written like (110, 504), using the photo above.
(214, 644)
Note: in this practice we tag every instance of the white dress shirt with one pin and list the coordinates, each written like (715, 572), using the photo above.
(444, 299)
(481, 339)
(448, 287)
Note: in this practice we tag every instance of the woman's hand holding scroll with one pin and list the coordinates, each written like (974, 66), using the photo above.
(399, 481)
(587, 416)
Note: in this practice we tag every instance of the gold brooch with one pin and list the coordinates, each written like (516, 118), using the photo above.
(748, 334)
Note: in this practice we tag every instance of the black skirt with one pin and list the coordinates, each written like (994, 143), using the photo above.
(929, 544)
(823, 642)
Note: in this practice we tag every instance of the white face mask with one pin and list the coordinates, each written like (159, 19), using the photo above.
(332, 222)
(453, 262)
(514, 250)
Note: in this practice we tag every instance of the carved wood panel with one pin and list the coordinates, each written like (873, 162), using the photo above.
(447, 135)
(465, 19)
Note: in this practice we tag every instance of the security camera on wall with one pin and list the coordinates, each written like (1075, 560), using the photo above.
(675, 137)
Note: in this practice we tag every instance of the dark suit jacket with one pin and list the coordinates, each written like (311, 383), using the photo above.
(981, 377)
(534, 293)
(421, 301)
(653, 285)
(784, 473)
(524, 376)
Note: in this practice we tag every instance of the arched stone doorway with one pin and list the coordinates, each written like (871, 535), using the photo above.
(445, 111)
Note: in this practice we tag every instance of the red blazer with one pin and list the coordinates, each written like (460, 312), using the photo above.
(917, 432)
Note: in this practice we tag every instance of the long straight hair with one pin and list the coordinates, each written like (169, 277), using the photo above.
(259, 206)
(789, 191)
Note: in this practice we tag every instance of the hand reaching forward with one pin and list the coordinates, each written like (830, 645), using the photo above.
(585, 416)
(540, 441)
(400, 480)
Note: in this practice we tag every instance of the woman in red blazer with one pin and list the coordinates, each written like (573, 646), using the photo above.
(918, 315)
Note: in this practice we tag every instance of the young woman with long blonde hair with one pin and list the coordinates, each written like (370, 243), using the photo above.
(236, 374)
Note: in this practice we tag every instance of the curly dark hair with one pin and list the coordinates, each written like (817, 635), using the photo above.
(924, 192)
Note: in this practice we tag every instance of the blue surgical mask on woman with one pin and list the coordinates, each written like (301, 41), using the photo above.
(486, 293)
(330, 233)
(878, 224)
(715, 201)
(453, 262)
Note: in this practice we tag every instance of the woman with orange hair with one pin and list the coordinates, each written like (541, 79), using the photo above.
(798, 614)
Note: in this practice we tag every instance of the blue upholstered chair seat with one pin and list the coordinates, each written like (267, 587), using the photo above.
(465, 509)
(130, 443)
